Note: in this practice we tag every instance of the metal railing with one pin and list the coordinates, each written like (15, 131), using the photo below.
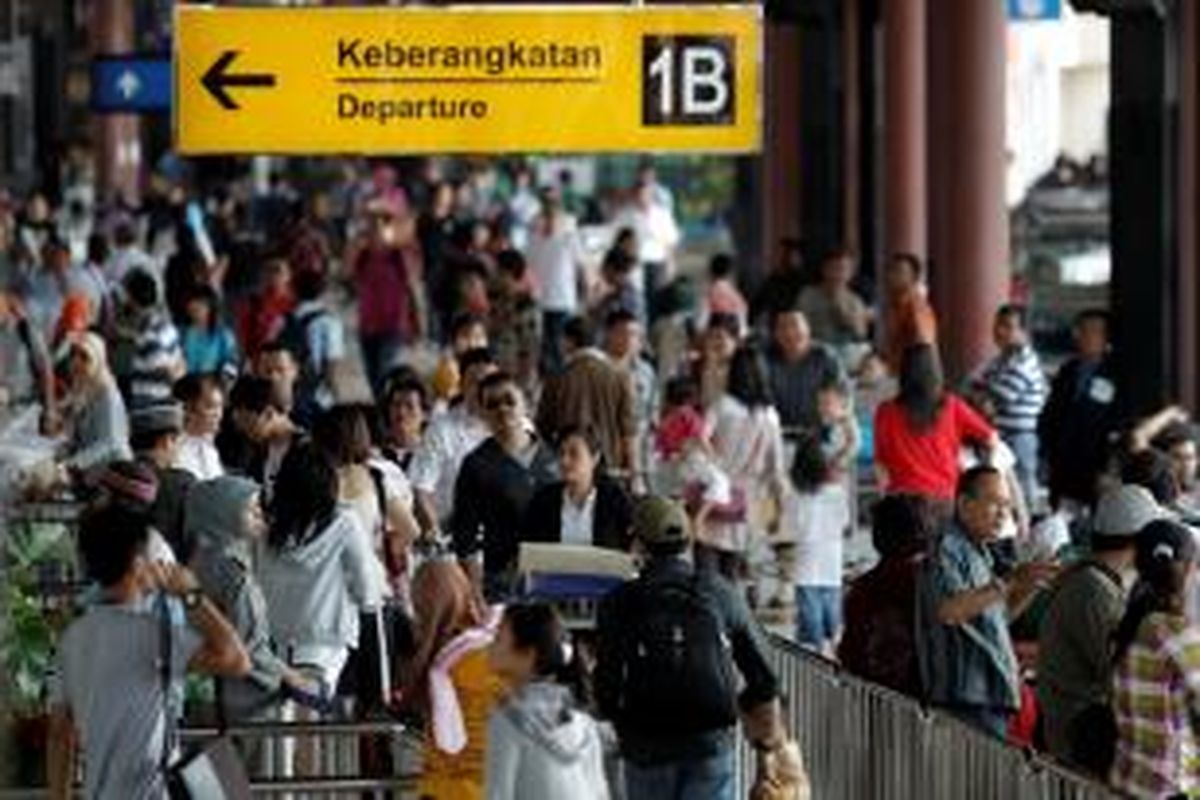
(338, 773)
(862, 742)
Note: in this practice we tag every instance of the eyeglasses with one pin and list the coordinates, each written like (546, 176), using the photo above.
(497, 401)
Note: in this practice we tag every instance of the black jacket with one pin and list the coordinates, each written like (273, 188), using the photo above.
(611, 520)
(491, 496)
(1082, 412)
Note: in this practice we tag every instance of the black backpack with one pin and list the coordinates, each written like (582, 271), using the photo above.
(294, 336)
(677, 661)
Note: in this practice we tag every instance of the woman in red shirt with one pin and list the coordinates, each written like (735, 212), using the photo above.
(919, 434)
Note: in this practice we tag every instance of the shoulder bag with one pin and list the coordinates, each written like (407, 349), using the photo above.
(212, 772)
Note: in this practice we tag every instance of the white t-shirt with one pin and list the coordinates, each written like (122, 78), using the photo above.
(655, 229)
(557, 263)
(819, 519)
(448, 440)
(198, 455)
(366, 506)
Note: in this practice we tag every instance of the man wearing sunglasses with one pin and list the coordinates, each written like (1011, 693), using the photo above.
(495, 485)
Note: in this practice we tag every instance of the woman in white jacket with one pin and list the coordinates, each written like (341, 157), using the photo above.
(539, 745)
(320, 570)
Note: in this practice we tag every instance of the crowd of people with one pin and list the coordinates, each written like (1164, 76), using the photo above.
(313, 428)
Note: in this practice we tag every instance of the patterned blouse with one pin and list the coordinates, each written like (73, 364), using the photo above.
(1156, 700)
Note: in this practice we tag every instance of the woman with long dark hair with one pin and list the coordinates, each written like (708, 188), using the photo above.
(1156, 685)
(919, 434)
(747, 440)
(320, 570)
(375, 489)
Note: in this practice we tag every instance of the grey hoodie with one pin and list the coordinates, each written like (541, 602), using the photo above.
(540, 748)
(223, 566)
(315, 590)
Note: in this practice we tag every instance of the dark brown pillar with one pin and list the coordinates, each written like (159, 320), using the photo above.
(968, 236)
(851, 125)
(905, 209)
(117, 136)
(1188, 298)
(781, 138)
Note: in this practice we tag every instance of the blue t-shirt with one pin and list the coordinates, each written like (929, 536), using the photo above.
(208, 350)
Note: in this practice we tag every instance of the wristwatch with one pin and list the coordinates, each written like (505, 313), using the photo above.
(192, 599)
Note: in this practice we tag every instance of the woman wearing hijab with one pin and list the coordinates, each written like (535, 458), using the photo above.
(95, 412)
(225, 519)
(450, 681)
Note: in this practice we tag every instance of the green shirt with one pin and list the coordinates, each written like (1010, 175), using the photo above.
(1074, 668)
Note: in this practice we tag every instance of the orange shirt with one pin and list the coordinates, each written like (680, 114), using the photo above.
(910, 320)
(460, 776)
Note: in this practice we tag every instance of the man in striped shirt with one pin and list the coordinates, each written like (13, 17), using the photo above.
(157, 356)
(1014, 388)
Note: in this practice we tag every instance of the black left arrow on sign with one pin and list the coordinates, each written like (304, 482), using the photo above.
(218, 79)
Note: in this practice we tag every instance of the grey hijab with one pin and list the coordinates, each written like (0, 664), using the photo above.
(214, 515)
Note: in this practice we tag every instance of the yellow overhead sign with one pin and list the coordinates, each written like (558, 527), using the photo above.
(467, 79)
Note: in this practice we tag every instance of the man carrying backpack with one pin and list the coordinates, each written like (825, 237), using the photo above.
(670, 645)
(313, 333)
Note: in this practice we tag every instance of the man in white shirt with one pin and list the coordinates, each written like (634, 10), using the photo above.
(662, 195)
(657, 236)
(523, 207)
(448, 440)
(556, 257)
(203, 406)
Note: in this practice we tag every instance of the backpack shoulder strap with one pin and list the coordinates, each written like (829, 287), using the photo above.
(310, 316)
(165, 654)
(380, 494)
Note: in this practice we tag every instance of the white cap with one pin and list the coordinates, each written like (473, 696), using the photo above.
(1125, 510)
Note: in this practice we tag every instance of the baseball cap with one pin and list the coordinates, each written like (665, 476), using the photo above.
(1165, 540)
(657, 520)
(1125, 510)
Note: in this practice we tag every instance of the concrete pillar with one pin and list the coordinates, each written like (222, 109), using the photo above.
(118, 143)
(968, 236)
(905, 207)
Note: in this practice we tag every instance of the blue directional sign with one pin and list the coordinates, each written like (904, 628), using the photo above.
(131, 84)
(1027, 10)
